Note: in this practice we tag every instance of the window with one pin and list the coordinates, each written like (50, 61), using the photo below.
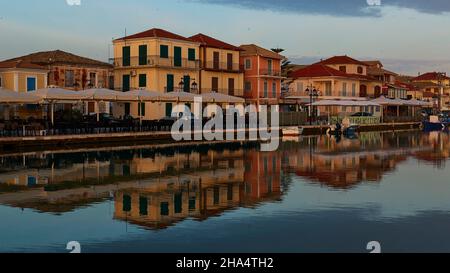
(178, 200)
(344, 108)
(343, 69)
(274, 90)
(269, 67)
(344, 89)
(191, 54)
(31, 84)
(354, 90)
(300, 87)
(216, 60)
(164, 208)
(69, 79)
(168, 109)
(126, 203)
(164, 51)
(360, 70)
(328, 89)
(126, 58)
(143, 55)
(230, 192)
(141, 109)
(216, 195)
(142, 80)
(215, 84)
(126, 83)
(378, 109)
(248, 86)
(93, 79)
(266, 89)
(177, 56)
(170, 81)
(1, 83)
(143, 206)
(248, 64)
(229, 61)
(192, 203)
(231, 86)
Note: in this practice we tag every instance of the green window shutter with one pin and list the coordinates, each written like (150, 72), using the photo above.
(164, 51)
(170, 81)
(143, 55)
(187, 84)
(127, 109)
(142, 109)
(143, 206)
(177, 56)
(126, 83)
(168, 109)
(178, 203)
(191, 54)
(126, 60)
(164, 208)
(142, 80)
(126, 204)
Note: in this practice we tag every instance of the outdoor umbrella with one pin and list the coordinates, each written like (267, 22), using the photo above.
(12, 97)
(215, 97)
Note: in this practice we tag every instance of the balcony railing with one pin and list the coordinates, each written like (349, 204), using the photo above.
(223, 66)
(155, 61)
(270, 72)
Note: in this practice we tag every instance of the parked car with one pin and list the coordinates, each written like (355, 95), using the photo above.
(362, 114)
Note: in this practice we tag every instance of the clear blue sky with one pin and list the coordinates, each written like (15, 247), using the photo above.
(410, 36)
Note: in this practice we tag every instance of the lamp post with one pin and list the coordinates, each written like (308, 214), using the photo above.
(181, 85)
(313, 93)
(194, 88)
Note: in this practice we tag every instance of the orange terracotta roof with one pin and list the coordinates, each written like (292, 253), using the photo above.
(155, 33)
(254, 50)
(431, 76)
(20, 64)
(59, 57)
(341, 60)
(318, 70)
(212, 42)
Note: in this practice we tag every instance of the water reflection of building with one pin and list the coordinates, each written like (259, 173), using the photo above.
(345, 163)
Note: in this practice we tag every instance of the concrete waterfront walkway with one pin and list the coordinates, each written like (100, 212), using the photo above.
(89, 140)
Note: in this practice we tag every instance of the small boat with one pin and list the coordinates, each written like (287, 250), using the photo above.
(292, 131)
(350, 130)
(435, 124)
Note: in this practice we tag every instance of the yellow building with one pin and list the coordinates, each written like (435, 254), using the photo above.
(155, 60)
(339, 77)
(22, 76)
(220, 68)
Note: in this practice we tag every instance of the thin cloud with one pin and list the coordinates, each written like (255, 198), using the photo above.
(343, 8)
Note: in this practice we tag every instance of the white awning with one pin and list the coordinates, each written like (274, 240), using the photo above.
(344, 103)
(389, 102)
(12, 97)
(142, 95)
(58, 94)
(106, 95)
(215, 97)
(177, 97)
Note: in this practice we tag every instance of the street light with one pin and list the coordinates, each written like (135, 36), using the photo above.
(181, 85)
(313, 93)
(194, 88)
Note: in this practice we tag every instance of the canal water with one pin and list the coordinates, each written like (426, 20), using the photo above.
(314, 194)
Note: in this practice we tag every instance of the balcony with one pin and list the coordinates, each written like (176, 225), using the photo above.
(270, 73)
(223, 67)
(155, 61)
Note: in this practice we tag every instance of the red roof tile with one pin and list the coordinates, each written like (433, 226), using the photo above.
(20, 64)
(431, 76)
(212, 42)
(254, 50)
(318, 70)
(341, 60)
(155, 33)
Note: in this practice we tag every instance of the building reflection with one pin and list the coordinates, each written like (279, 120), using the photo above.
(158, 188)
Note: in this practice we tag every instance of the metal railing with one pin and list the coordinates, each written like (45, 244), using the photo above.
(223, 66)
(270, 72)
(155, 61)
(356, 120)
